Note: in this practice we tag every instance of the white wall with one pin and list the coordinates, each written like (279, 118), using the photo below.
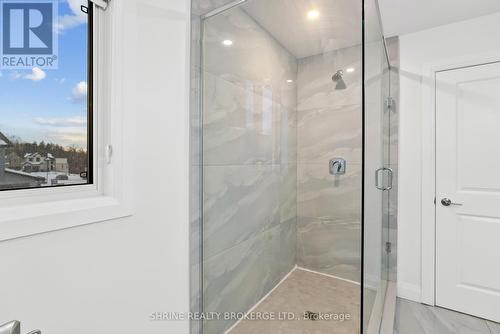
(109, 277)
(472, 37)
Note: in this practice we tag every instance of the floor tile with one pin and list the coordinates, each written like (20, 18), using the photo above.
(416, 318)
(305, 291)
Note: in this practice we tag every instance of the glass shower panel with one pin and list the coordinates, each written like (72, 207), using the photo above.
(377, 172)
(281, 101)
(249, 163)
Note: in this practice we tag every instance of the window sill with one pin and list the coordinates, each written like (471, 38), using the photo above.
(24, 220)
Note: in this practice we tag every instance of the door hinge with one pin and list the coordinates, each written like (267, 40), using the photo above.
(390, 103)
(388, 247)
(101, 3)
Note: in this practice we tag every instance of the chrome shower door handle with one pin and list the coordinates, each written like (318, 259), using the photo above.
(377, 178)
(390, 175)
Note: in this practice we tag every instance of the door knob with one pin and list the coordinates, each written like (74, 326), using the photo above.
(448, 202)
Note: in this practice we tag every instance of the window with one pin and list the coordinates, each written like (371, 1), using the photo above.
(46, 109)
(76, 196)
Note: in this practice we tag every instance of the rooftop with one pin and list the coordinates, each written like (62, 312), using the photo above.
(4, 141)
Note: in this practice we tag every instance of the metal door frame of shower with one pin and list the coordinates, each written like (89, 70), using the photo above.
(363, 169)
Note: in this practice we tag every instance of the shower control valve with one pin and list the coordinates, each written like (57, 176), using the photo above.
(338, 166)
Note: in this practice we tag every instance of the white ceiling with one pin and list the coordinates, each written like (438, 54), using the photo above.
(338, 25)
(401, 17)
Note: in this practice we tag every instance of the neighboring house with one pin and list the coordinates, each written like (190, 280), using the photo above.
(10, 178)
(35, 162)
(14, 161)
(62, 165)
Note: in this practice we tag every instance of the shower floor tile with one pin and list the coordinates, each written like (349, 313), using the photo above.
(303, 292)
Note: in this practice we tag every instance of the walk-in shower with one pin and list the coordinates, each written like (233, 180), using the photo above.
(293, 138)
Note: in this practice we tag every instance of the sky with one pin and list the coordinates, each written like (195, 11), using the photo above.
(50, 105)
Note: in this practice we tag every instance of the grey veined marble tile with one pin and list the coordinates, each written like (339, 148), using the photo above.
(253, 58)
(238, 278)
(239, 126)
(239, 203)
(330, 132)
(288, 192)
(288, 242)
(330, 246)
(288, 136)
(322, 195)
(316, 88)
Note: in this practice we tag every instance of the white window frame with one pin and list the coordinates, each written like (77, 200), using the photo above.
(40, 210)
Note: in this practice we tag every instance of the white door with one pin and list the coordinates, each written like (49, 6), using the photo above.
(468, 190)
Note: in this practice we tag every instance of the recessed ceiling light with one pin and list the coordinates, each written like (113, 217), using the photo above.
(227, 42)
(350, 70)
(289, 81)
(313, 14)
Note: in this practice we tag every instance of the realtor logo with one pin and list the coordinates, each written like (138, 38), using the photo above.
(28, 36)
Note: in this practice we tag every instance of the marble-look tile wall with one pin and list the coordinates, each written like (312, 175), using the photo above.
(329, 126)
(249, 164)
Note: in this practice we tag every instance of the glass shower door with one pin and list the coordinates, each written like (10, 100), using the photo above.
(378, 176)
(280, 128)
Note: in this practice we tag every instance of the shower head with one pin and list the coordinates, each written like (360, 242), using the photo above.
(338, 78)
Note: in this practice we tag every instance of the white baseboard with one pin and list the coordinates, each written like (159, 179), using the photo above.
(409, 291)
